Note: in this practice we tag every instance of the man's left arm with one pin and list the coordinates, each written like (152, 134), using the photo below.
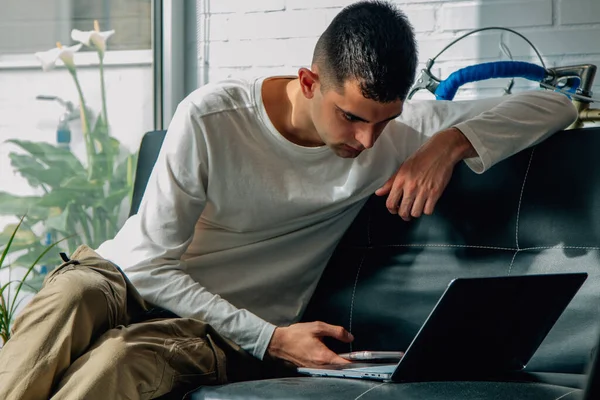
(482, 133)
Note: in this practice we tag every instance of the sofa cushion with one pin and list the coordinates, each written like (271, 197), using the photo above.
(332, 388)
(535, 212)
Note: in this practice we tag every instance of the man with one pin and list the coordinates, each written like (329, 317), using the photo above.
(255, 184)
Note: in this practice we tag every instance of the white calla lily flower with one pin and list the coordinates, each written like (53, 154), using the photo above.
(65, 54)
(94, 39)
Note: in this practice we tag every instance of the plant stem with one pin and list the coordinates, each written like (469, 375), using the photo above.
(85, 123)
(96, 224)
(112, 219)
(103, 89)
(71, 244)
(105, 225)
(72, 223)
(101, 223)
(4, 324)
(84, 225)
(9, 287)
(130, 173)
(107, 149)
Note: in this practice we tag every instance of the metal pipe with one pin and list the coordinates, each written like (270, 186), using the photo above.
(191, 46)
(585, 114)
(203, 42)
(173, 59)
(585, 72)
(157, 62)
(590, 115)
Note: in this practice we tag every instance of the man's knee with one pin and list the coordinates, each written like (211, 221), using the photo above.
(72, 294)
(77, 288)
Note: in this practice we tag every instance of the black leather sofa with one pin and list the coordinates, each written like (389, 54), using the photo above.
(536, 212)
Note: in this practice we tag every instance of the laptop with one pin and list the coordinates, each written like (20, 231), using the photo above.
(480, 328)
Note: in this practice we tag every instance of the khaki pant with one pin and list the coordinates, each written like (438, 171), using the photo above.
(89, 335)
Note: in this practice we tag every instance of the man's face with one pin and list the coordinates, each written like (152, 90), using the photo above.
(349, 123)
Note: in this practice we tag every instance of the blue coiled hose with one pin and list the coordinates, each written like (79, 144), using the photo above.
(499, 69)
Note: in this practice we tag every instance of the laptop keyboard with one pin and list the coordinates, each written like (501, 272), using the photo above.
(381, 369)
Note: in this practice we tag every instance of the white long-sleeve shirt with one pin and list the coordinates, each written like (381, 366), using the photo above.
(237, 223)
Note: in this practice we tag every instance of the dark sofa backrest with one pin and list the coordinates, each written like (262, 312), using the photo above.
(536, 212)
(148, 153)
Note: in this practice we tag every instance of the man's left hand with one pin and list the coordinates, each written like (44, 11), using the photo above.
(420, 181)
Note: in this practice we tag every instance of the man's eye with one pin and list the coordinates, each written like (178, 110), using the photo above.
(350, 118)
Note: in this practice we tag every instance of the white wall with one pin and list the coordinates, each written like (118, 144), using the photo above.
(263, 37)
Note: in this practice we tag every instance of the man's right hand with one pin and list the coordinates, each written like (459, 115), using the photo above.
(302, 343)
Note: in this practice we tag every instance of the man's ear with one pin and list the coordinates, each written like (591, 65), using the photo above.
(309, 82)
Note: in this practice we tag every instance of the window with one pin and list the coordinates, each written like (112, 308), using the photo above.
(70, 171)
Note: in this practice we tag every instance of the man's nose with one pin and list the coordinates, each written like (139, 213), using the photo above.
(366, 137)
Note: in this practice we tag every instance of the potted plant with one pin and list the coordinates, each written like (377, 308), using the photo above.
(10, 291)
(83, 197)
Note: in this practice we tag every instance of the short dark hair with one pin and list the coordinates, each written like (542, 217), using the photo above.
(372, 42)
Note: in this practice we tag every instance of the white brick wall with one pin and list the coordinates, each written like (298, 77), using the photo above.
(264, 37)
(471, 15)
(579, 11)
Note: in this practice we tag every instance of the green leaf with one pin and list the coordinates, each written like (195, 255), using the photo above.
(11, 204)
(17, 247)
(10, 240)
(56, 198)
(25, 240)
(100, 131)
(50, 259)
(81, 192)
(114, 145)
(81, 184)
(23, 237)
(60, 222)
(34, 171)
(114, 199)
(119, 178)
(52, 156)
